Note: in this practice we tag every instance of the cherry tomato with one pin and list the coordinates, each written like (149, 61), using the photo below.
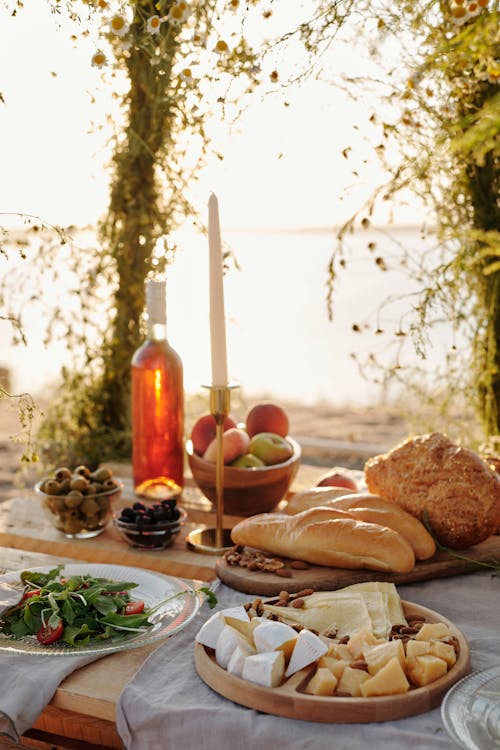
(47, 635)
(134, 608)
(29, 594)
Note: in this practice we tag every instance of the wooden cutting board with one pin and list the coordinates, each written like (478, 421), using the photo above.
(327, 579)
(290, 700)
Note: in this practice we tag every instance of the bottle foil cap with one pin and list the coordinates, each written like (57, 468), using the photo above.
(156, 301)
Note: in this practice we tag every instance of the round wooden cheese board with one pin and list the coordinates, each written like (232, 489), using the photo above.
(289, 699)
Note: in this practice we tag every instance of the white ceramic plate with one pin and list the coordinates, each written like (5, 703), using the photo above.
(152, 588)
(471, 711)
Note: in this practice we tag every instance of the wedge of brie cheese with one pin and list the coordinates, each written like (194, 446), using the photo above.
(227, 642)
(237, 660)
(271, 636)
(212, 628)
(308, 648)
(266, 669)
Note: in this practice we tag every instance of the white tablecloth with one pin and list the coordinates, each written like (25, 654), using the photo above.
(166, 705)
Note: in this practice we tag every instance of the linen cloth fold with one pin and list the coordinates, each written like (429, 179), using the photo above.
(27, 684)
(166, 705)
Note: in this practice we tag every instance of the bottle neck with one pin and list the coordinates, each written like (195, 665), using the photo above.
(157, 331)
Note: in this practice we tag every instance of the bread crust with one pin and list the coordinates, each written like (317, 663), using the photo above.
(370, 508)
(326, 536)
(430, 476)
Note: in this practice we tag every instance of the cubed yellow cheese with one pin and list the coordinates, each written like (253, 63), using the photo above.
(425, 669)
(444, 651)
(377, 656)
(351, 681)
(428, 631)
(389, 680)
(339, 651)
(336, 666)
(323, 683)
(359, 640)
(417, 648)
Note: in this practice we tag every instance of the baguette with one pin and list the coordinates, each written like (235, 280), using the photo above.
(374, 509)
(314, 497)
(325, 536)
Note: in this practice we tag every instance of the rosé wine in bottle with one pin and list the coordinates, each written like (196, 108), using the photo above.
(157, 406)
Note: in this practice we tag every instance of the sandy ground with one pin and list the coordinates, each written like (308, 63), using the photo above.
(329, 435)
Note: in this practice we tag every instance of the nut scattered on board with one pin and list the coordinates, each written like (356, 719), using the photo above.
(255, 560)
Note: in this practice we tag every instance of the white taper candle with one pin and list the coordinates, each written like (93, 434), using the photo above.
(217, 317)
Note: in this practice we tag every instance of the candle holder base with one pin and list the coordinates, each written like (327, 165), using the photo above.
(205, 541)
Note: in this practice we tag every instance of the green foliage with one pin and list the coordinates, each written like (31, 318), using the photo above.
(442, 101)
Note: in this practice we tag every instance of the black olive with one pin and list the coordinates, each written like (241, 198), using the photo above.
(139, 506)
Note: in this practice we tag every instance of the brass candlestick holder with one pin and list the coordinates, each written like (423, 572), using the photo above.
(215, 541)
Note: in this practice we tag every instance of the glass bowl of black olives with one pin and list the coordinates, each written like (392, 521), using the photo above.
(150, 526)
(78, 501)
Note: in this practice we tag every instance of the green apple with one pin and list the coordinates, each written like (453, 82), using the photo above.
(248, 461)
(270, 448)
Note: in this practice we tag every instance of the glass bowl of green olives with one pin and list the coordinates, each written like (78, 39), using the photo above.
(78, 501)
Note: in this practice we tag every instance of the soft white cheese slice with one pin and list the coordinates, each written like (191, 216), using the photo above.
(324, 611)
(237, 660)
(394, 606)
(271, 636)
(265, 669)
(308, 648)
(212, 628)
(227, 642)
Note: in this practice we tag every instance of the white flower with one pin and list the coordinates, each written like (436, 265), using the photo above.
(221, 48)
(199, 38)
(186, 75)
(99, 59)
(179, 13)
(119, 25)
(153, 24)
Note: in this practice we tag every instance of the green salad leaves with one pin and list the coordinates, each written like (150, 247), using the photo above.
(74, 610)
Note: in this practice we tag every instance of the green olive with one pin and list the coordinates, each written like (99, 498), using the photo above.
(103, 502)
(65, 485)
(83, 471)
(72, 526)
(93, 522)
(73, 499)
(79, 483)
(101, 475)
(62, 473)
(92, 489)
(51, 487)
(89, 507)
(110, 484)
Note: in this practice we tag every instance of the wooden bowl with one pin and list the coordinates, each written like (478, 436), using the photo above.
(246, 491)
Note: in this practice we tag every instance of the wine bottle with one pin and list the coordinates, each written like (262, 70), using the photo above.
(157, 406)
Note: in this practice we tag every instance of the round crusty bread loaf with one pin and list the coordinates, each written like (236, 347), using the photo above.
(325, 536)
(452, 486)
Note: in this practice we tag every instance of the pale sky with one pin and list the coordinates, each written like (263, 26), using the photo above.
(283, 168)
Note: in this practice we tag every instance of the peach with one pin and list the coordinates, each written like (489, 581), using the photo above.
(267, 417)
(335, 478)
(235, 443)
(203, 432)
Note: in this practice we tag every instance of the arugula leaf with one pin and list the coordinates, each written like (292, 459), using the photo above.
(77, 636)
(126, 622)
(40, 579)
(210, 596)
(105, 605)
(68, 612)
